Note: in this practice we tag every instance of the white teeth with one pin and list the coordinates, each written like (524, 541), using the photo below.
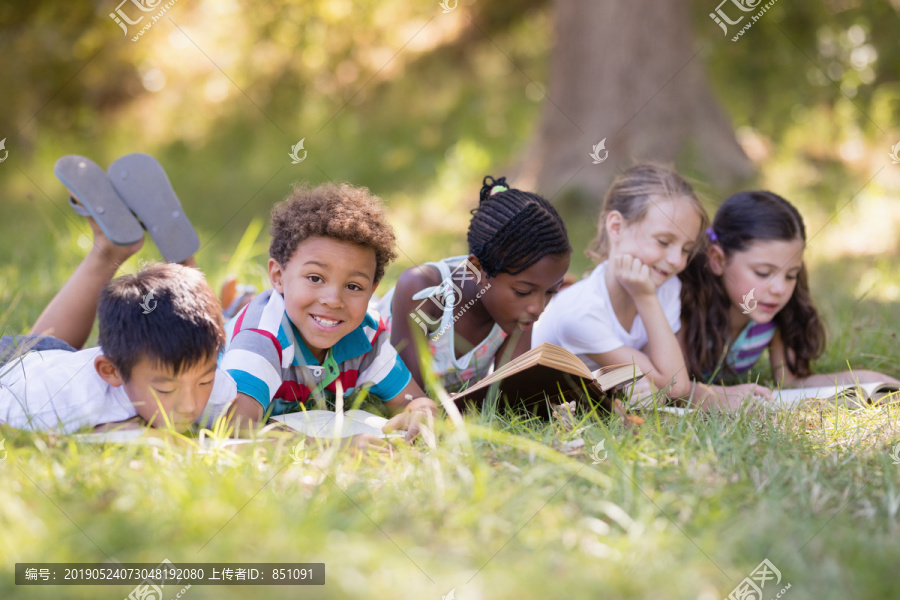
(326, 322)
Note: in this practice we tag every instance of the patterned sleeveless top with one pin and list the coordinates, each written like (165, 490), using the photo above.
(454, 372)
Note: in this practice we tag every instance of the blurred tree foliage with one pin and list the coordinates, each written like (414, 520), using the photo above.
(415, 103)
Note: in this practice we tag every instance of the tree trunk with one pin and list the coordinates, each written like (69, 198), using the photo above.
(627, 71)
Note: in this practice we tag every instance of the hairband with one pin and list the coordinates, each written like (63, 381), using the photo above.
(711, 233)
(499, 188)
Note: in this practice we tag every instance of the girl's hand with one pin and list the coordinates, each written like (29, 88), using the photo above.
(633, 275)
(730, 397)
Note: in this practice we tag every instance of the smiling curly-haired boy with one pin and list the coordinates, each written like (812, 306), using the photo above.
(330, 246)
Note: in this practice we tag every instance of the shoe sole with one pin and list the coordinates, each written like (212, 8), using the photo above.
(89, 184)
(144, 187)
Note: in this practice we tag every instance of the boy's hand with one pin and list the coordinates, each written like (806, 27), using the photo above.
(413, 416)
(366, 442)
(633, 275)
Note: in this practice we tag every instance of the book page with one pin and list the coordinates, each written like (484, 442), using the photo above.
(789, 398)
(860, 395)
(331, 425)
(614, 376)
(879, 393)
(546, 355)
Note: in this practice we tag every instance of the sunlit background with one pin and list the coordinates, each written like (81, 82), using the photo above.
(419, 104)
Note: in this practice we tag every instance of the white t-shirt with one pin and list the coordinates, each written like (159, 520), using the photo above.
(60, 391)
(581, 318)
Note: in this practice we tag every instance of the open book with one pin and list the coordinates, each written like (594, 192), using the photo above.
(333, 425)
(855, 396)
(852, 395)
(552, 372)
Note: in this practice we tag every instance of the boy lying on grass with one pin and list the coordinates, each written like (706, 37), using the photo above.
(313, 329)
(161, 329)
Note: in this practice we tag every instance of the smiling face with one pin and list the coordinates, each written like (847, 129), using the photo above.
(155, 389)
(326, 285)
(767, 267)
(663, 239)
(518, 300)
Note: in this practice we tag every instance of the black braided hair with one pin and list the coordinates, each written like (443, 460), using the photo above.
(511, 230)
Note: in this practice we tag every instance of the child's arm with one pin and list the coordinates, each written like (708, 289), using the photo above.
(720, 397)
(246, 412)
(410, 409)
(785, 378)
(406, 334)
(70, 314)
(663, 362)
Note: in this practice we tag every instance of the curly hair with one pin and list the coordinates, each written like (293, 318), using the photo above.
(512, 230)
(742, 219)
(630, 194)
(342, 212)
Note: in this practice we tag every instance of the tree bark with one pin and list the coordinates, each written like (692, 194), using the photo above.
(628, 71)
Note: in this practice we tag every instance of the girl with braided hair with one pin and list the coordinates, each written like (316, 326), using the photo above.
(475, 308)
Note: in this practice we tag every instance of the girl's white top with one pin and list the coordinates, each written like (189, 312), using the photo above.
(581, 318)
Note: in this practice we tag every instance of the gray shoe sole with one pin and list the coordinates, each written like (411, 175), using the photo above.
(142, 184)
(90, 186)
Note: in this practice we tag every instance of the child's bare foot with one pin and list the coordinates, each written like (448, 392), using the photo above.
(235, 296)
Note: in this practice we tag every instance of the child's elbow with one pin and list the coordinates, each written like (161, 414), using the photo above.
(680, 388)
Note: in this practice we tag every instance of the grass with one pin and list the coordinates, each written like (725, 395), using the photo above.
(685, 509)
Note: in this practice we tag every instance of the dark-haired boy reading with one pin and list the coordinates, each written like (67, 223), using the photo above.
(160, 333)
(313, 329)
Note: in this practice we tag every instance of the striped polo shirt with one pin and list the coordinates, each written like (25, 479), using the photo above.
(269, 361)
(749, 346)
